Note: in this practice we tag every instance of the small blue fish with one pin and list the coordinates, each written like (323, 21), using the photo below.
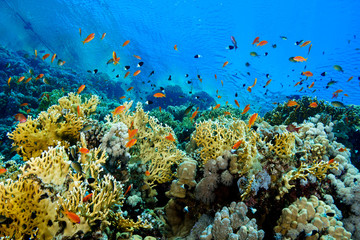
(312, 233)
(186, 209)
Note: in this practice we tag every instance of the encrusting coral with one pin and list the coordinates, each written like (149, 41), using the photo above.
(312, 217)
(232, 223)
(61, 122)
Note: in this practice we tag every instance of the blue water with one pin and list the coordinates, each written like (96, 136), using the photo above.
(199, 27)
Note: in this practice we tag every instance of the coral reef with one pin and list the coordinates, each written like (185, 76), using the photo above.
(232, 223)
(152, 148)
(60, 123)
(312, 218)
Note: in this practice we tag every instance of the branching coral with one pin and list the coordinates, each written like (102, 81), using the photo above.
(318, 169)
(284, 145)
(152, 148)
(20, 201)
(35, 203)
(60, 123)
(214, 137)
(52, 167)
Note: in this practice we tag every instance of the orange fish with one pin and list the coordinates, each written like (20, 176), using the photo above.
(119, 110)
(299, 59)
(45, 56)
(307, 73)
(81, 88)
(297, 83)
(20, 117)
(28, 80)
(346, 95)
(23, 104)
(313, 105)
(217, 106)
(138, 57)
(2, 170)
(311, 85)
(136, 73)
(309, 49)
(28, 111)
(218, 96)
(350, 78)
(256, 40)
(305, 44)
(159, 95)
(9, 80)
(39, 76)
(53, 57)
(87, 197)
(78, 110)
(159, 108)
(227, 113)
(254, 83)
(291, 103)
(262, 43)
(237, 144)
(72, 216)
(115, 58)
(35, 53)
(175, 47)
(331, 161)
(103, 35)
(89, 38)
(132, 133)
(268, 82)
(131, 143)
(338, 91)
(194, 115)
(237, 103)
(215, 76)
(128, 189)
(249, 89)
(21, 79)
(247, 108)
(170, 137)
(252, 119)
(126, 43)
(301, 89)
(147, 173)
(129, 89)
(84, 150)
(132, 124)
(222, 83)
(127, 74)
(122, 97)
(80, 31)
(342, 149)
(225, 63)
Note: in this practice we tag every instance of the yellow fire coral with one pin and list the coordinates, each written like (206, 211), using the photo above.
(318, 169)
(34, 204)
(153, 149)
(22, 204)
(214, 137)
(60, 123)
(284, 145)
